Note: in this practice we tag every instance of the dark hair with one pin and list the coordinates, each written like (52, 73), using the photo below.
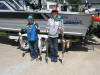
(54, 11)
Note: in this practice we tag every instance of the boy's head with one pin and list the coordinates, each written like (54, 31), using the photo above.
(54, 12)
(30, 18)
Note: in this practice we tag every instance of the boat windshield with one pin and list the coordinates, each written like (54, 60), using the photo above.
(3, 7)
(20, 2)
(16, 4)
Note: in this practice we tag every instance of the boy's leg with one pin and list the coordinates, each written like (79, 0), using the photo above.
(51, 46)
(35, 49)
(31, 49)
(55, 48)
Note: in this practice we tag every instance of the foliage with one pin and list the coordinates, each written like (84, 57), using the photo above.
(75, 4)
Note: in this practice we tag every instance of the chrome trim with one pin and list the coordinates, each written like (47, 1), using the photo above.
(8, 29)
(72, 33)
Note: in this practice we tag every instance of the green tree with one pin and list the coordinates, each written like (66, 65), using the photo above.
(75, 4)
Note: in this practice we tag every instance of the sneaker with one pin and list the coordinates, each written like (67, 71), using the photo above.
(55, 59)
(32, 59)
(52, 59)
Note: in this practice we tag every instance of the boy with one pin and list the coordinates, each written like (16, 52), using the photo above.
(54, 25)
(32, 30)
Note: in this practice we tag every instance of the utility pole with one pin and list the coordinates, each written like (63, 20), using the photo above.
(39, 4)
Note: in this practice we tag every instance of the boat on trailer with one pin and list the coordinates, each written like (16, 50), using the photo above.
(13, 16)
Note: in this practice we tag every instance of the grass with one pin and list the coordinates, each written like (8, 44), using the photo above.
(3, 33)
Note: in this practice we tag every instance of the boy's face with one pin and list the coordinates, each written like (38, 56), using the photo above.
(54, 14)
(31, 20)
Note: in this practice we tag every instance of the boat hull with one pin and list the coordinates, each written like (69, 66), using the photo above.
(74, 24)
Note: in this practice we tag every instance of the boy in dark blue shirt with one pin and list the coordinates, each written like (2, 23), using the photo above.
(32, 29)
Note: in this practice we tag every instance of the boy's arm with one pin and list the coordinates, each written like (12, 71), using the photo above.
(61, 27)
(48, 25)
(23, 29)
(37, 28)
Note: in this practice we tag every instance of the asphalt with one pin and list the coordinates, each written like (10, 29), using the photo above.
(76, 61)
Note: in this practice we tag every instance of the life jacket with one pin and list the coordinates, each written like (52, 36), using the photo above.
(32, 36)
(96, 18)
(96, 21)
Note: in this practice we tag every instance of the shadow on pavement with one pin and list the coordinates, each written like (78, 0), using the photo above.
(5, 40)
(76, 48)
(89, 45)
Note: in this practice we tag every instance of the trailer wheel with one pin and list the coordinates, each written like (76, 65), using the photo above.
(24, 44)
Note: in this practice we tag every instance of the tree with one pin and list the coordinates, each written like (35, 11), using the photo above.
(75, 4)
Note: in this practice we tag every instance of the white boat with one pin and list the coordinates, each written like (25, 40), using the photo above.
(13, 15)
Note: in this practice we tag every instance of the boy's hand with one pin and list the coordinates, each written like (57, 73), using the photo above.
(38, 28)
(46, 29)
(19, 30)
(62, 29)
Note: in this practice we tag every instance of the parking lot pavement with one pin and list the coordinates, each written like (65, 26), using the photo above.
(75, 62)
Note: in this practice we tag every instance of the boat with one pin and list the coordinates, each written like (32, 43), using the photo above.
(13, 16)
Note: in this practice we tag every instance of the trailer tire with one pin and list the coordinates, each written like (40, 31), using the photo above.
(24, 44)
